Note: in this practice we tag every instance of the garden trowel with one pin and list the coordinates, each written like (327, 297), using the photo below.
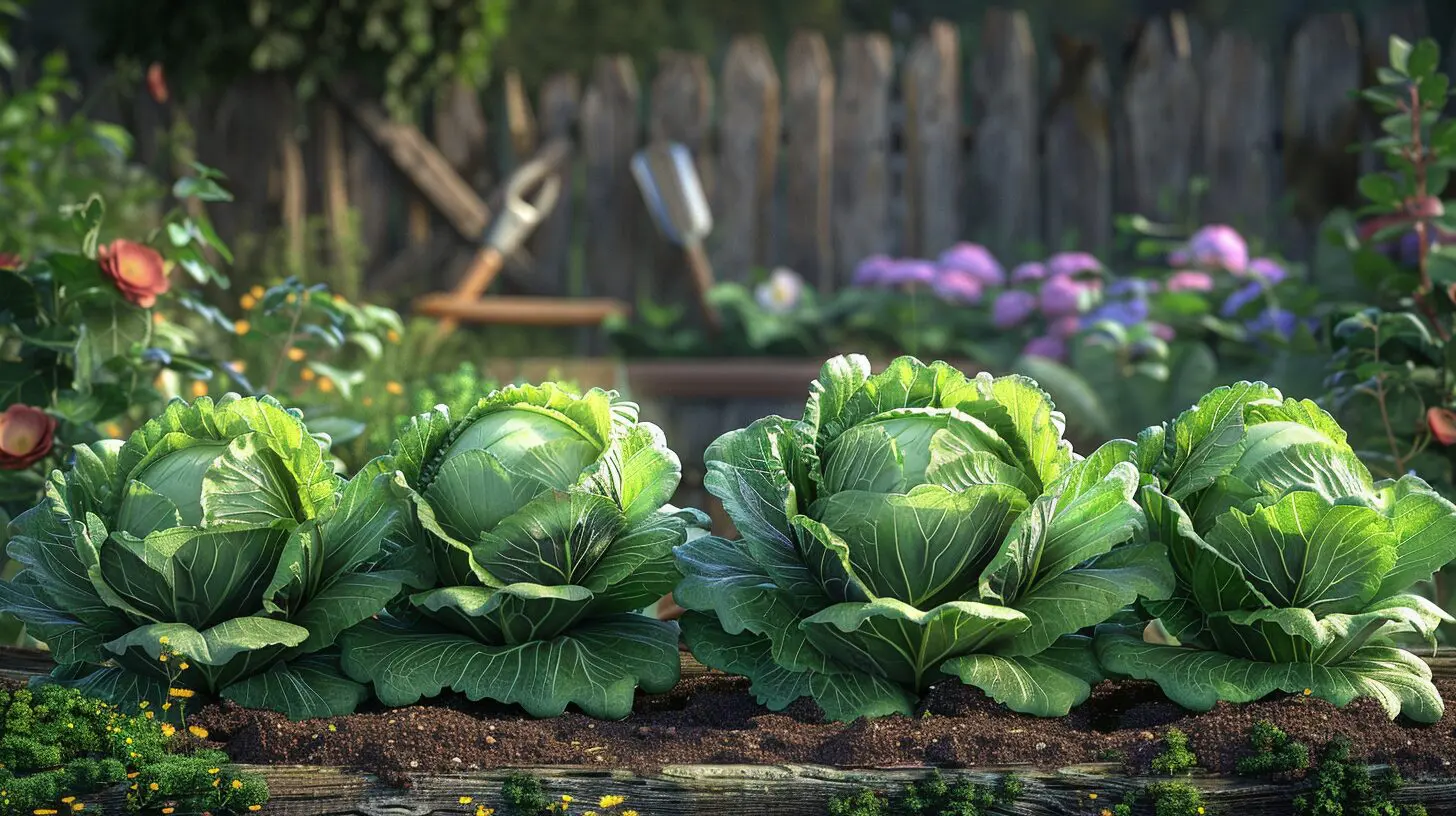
(669, 182)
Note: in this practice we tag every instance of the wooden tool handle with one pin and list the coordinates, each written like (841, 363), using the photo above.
(702, 272)
(477, 279)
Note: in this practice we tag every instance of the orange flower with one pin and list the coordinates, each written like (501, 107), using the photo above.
(26, 436)
(297, 354)
(1442, 422)
(157, 83)
(394, 388)
(138, 271)
(199, 388)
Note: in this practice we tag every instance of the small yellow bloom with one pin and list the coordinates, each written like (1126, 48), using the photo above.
(135, 755)
(70, 725)
(153, 786)
(150, 714)
(157, 318)
(199, 388)
(240, 366)
(242, 327)
(166, 705)
(168, 810)
(333, 728)
(368, 401)
(611, 801)
(214, 771)
(215, 782)
(307, 374)
(185, 694)
(132, 775)
(326, 385)
(566, 798)
(394, 388)
(1308, 692)
(1200, 810)
(296, 354)
(1091, 796)
(44, 812)
(338, 298)
(163, 657)
(393, 336)
(256, 291)
(292, 297)
(237, 783)
(113, 430)
(164, 640)
(66, 800)
(465, 800)
(255, 808)
(78, 807)
(482, 810)
(197, 731)
(629, 813)
(184, 666)
(247, 301)
(1104, 812)
(128, 740)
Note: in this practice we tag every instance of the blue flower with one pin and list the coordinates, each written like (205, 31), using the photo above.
(1280, 322)
(1241, 297)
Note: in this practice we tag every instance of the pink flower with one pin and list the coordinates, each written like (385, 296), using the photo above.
(1190, 280)
(1218, 246)
(1268, 269)
(956, 286)
(1061, 296)
(1064, 327)
(1072, 263)
(976, 261)
(1162, 331)
(1031, 271)
(1012, 308)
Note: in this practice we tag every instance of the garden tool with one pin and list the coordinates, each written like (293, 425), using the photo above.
(518, 217)
(669, 182)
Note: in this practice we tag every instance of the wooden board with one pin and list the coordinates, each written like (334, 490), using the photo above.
(860, 194)
(1159, 123)
(1078, 152)
(1003, 195)
(932, 90)
(1238, 132)
(808, 159)
(748, 149)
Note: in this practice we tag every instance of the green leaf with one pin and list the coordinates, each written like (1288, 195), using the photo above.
(745, 654)
(555, 539)
(597, 667)
(1046, 685)
(212, 647)
(123, 689)
(1206, 440)
(1197, 679)
(108, 332)
(1425, 529)
(1400, 51)
(303, 689)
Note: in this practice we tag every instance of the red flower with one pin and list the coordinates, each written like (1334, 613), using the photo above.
(137, 271)
(157, 83)
(26, 436)
(11, 261)
(1442, 422)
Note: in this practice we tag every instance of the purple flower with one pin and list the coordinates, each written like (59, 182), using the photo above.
(1190, 280)
(1281, 322)
(1127, 312)
(976, 261)
(1030, 271)
(1064, 327)
(1072, 263)
(1132, 286)
(956, 286)
(1062, 296)
(1241, 297)
(1012, 308)
(1218, 246)
(1163, 331)
(1180, 257)
(871, 270)
(1052, 348)
(899, 273)
(1268, 269)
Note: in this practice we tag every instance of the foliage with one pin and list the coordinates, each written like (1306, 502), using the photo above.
(218, 536)
(1342, 786)
(933, 796)
(1293, 564)
(50, 160)
(1275, 752)
(1176, 757)
(865, 802)
(58, 747)
(404, 50)
(915, 525)
(543, 517)
(1175, 799)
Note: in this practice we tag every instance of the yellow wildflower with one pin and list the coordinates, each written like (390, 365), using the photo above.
(242, 327)
(368, 401)
(153, 786)
(150, 714)
(292, 297)
(307, 374)
(566, 798)
(629, 813)
(44, 812)
(1091, 796)
(164, 640)
(465, 800)
(183, 666)
(128, 740)
(215, 782)
(113, 430)
(333, 728)
(199, 389)
(1200, 810)
(197, 731)
(166, 705)
(296, 354)
(157, 317)
(185, 694)
(166, 810)
(240, 366)
(482, 810)
(164, 657)
(247, 301)
(237, 783)
(611, 801)
(393, 336)
(134, 755)
(255, 808)
(66, 800)
(144, 704)
(132, 775)
(326, 385)
(168, 730)
(394, 388)
(214, 771)
(1308, 692)
(78, 807)
(256, 291)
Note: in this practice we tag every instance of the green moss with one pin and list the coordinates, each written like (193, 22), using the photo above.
(522, 795)
(58, 747)
(1175, 799)
(864, 803)
(933, 796)
(1177, 757)
(1274, 752)
(1339, 786)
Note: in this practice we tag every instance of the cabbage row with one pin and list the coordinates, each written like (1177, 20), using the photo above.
(915, 526)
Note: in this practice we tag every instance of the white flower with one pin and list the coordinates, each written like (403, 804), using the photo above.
(781, 292)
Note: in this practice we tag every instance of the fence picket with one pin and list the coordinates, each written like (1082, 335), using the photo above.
(1077, 157)
(681, 111)
(1238, 133)
(1320, 119)
(809, 160)
(748, 144)
(559, 103)
(1159, 122)
(1003, 195)
(613, 208)
(860, 194)
(932, 91)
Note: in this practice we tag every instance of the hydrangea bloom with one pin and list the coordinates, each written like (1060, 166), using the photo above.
(871, 270)
(1027, 272)
(1012, 308)
(975, 261)
(1138, 287)
(1062, 296)
(1280, 322)
(1190, 280)
(1052, 348)
(1218, 246)
(899, 273)
(956, 286)
(1268, 269)
(1126, 312)
(1242, 297)
(1163, 331)
(1072, 263)
(1064, 327)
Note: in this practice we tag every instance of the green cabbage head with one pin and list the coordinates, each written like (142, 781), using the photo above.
(545, 516)
(915, 525)
(1294, 567)
(217, 532)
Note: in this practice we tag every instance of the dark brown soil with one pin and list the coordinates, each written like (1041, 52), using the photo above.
(712, 719)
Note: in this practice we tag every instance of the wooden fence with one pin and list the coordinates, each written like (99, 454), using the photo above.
(845, 152)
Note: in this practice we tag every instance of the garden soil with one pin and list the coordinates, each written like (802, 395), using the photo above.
(712, 719)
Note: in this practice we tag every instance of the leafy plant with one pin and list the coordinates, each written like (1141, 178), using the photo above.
(915, 525)
(218, 536)
(1275, 752)
(1176, 757)
(1342, 786)
(1293, 565)
(544, 516)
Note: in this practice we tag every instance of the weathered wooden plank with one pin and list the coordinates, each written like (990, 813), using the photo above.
(1159, 111)
(294, 204)
(860, 220)
(809, 160)
(1404, 18)
(241, 140)
(610, 132)
(1003, 195)
(520, 119)
(681, 110)
(1238, 132)
(462, 133)
(748, 145)
(374, 184)
(932, 92)
(1078, 155)
(1320, 120)
(558, 104)
(423, 164)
